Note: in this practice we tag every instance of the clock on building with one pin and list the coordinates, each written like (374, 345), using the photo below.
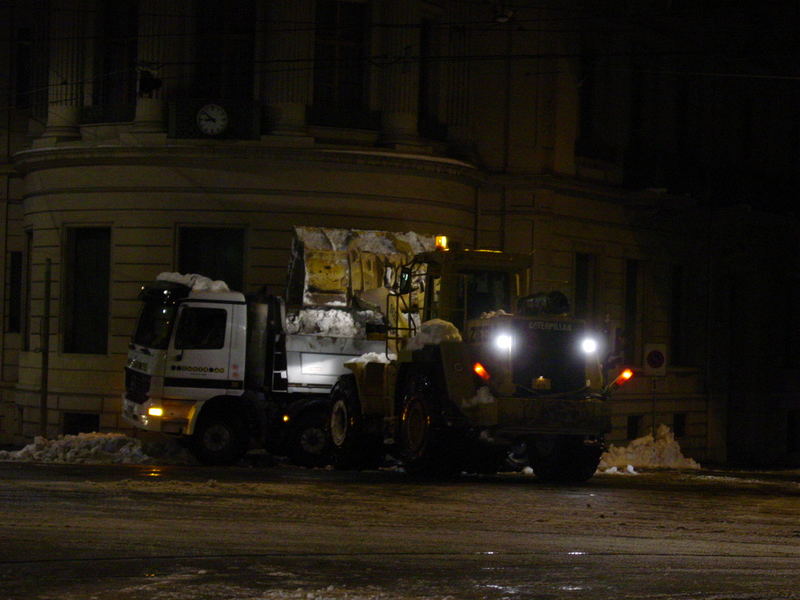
(212, 119)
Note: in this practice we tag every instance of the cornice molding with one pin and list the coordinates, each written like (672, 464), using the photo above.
(38, 159)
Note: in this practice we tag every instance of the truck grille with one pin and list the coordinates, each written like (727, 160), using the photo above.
(549, 353)
(137, 385)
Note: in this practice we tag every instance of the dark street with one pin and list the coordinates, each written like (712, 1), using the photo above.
(259, 533)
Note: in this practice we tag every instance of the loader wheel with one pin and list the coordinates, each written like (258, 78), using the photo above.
(425, 448)
(352, 447)
(310, 445)
(219, 440)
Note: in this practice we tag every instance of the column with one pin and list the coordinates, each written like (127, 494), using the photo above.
(65, 85)
(399, 75)
(287, 65)
(456, 109)
(159, 36)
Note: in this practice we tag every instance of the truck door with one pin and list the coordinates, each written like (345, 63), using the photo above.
(198, 355)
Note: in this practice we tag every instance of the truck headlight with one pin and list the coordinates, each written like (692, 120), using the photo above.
(155, 411)
(589, 345)
(504, 342)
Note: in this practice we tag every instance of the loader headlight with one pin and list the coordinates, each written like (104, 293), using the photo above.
(504, 342)
(155, 411)
(589, 345)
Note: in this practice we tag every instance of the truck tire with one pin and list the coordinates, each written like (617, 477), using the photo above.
(219, 440)
(425, 447)
(352, 447)
(310, 443)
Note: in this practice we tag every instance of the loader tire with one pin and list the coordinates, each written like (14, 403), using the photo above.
(219, 440)
(351, 447)
(426, 448)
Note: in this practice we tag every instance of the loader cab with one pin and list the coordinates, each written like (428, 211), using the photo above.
(458, 286)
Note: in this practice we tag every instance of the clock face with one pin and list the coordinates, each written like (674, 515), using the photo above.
(212, 119)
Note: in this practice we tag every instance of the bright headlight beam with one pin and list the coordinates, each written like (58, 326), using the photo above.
(504, 341)
(589, 345)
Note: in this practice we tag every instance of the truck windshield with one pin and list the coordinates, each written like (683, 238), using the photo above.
(155, 325)
(484, 291)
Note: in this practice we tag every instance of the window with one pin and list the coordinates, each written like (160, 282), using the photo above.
(679, 425)
(340, 64)
(75, 423)
(225, 58)
(86, 292)
(201, 328)
(26, 327)
(155, 325)
(14, 322)
(676, 317)
(216, 252)
(793, 431)
(429, 81)
(584, 276)
(634, 426)
(631, 316)
(23, 68)
(117, 40)
(483, 291)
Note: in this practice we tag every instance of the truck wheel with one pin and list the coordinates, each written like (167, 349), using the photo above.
(219, 440)
(351, 447)
(310, 446)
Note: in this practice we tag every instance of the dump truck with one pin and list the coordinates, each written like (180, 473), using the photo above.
(227, 372)
(479, 374)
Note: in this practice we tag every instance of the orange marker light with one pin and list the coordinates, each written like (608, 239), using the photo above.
(481, 371)
(441, 242)
(623, 377)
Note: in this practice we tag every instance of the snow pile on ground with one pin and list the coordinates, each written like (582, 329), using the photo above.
(663, 451)
(483, 396)
(434, 332)
(198, 283)
(98, 448)
(332, 322)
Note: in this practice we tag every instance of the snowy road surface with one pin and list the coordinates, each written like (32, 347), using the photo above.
(146, 532)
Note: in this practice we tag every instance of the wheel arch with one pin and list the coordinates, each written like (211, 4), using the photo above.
(218, 405)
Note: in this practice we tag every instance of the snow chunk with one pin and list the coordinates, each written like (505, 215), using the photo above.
(484, 396)
(98, 448)
(434, 332)
(662, 451)
(371, 357)
(495, 313)
(332, 322)
(197, 283)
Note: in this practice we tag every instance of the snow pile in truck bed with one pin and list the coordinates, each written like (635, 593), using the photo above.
(198, 283)
(99, 448)
(376, 242)
(332, 322)
(434, 332)
(663, 451)
(371, 357)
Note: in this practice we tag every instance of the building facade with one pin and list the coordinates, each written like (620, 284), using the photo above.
(192, 136)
